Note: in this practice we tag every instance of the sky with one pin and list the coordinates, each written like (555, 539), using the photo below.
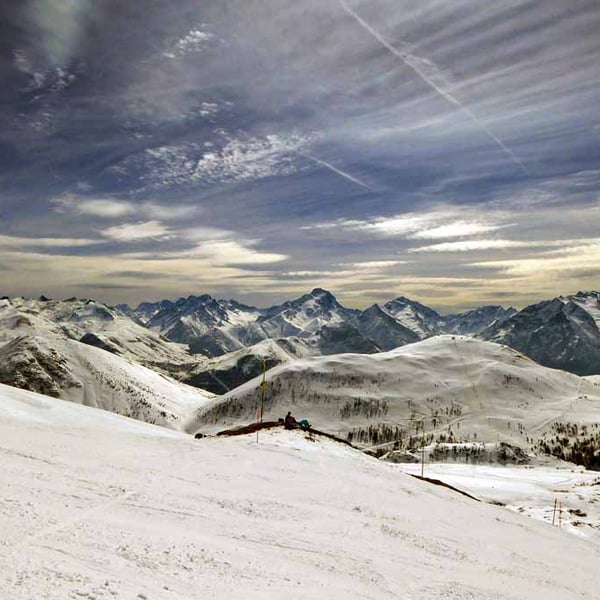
(445, 150)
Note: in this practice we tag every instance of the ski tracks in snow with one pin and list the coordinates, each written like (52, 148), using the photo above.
(82, 515)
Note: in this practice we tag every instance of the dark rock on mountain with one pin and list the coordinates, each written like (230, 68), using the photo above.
(34, 364)
(344, 338)
(383, 330)
(91, 339)
(476, 320)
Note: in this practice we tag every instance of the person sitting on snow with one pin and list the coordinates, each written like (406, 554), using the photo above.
(290, 421)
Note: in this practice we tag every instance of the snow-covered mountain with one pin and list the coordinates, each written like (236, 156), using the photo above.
(145, 310)
(67, 369)
(214, 327)
(475, 321)
(93, 354)
(383, 329)
(203, 322)
(420, 319)
(562, 333)
(93, 323)
(94, 505)
(305, 316)
(443, 389)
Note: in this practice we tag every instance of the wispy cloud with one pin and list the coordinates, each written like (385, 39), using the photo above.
(7, 241)
(430, 74)
(132, 232)
(97, 207)
(471, 245)
(454, 229)
(226, 252)
(114, 208)
(435, 223)
(310, 145)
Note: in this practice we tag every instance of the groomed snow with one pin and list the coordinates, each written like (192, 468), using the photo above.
(96, 506)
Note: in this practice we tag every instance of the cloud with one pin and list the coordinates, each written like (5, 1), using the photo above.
(377, 264)
(230, 158)
(60, 26)
(195, 40)
(141, 275)
(455, 229)
(227, 252)
(169, 212)
(574, 257)
(113, 208)
(8, 241)
(472, 245)
(99, 207)
(133, 232)
(434, 223)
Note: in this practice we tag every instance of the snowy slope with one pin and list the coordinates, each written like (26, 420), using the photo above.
(97, 506)
(70, 370)
(456, 388)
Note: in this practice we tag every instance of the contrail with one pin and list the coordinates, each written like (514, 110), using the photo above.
(335, 170)
(409, 60)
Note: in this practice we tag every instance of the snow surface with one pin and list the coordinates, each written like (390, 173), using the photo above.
(97, 506)
(530, 490)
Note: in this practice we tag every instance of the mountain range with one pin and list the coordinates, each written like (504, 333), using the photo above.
(218, 344)
(562, 333)
(370, 376)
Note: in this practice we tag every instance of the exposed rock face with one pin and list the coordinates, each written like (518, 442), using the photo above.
(561, 333)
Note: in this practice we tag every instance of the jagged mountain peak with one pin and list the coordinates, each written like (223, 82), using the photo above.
(318, 295)
(321, 292)
(401, 302)
(421, 319)
(589, 294)
(375, 310)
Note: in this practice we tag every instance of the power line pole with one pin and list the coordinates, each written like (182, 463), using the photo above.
(263, 387)
(422, 448)
(259, 411)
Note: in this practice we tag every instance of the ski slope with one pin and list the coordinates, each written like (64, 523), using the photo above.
(96, 506)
